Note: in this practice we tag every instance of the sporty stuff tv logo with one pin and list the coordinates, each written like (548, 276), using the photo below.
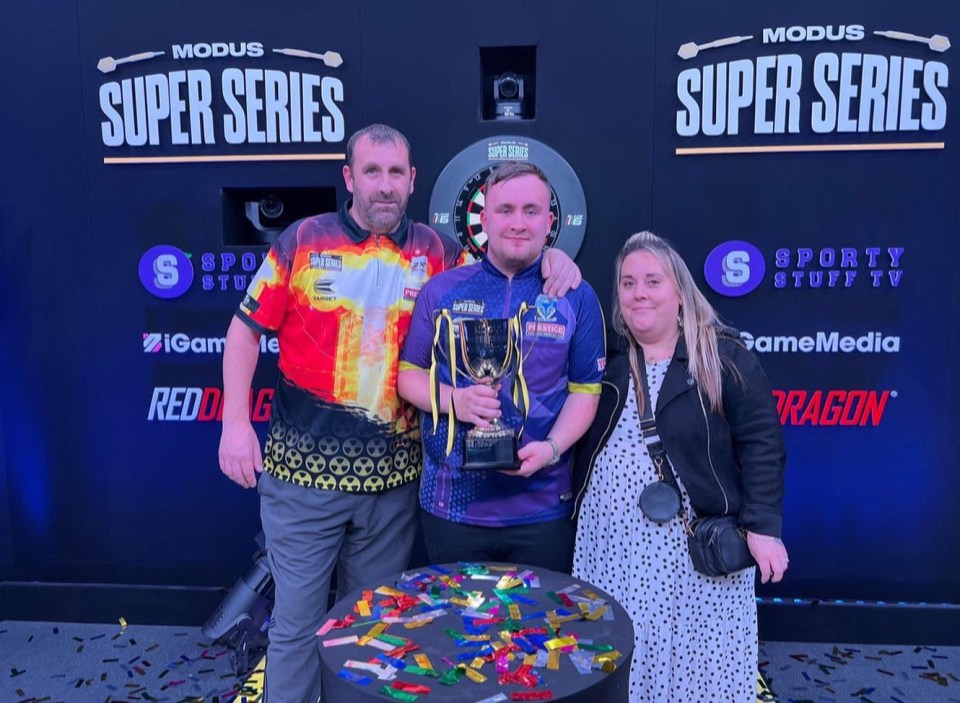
(168, 272)
(736, 268)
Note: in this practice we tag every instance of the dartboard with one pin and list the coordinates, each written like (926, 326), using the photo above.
(458, 197)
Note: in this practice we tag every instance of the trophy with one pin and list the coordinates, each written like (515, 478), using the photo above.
(488, 353)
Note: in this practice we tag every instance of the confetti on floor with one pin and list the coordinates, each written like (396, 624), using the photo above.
(74, 663)
(819, 673)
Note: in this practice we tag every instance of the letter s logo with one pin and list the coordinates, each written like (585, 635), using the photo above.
(166, 271)
(734, 268)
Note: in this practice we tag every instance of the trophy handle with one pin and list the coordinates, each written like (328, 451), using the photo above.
(521, 357)
(445, 353)
(519, 390)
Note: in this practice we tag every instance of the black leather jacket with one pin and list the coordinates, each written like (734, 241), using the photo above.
(730, 464)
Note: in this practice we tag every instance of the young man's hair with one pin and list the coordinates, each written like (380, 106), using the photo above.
(509, 170)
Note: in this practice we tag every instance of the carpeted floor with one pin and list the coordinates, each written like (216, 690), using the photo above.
(77, 663)
(81, 663)
(830, 673)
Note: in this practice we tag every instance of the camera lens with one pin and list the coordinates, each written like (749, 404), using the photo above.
(508, 86)
(271, 207)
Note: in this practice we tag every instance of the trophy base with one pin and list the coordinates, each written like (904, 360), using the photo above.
(490, 451)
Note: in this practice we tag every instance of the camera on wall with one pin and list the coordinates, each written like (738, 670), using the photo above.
(267, 213)
(508, 82)
(508, 96)
(257, 216)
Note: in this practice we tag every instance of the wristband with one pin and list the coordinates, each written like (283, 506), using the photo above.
(556, 451)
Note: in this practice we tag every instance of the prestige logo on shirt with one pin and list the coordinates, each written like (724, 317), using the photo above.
(537, 329)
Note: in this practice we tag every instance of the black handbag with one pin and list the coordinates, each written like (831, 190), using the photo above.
(718, 545)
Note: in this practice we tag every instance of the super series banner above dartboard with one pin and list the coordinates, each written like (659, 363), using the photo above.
(803, 159)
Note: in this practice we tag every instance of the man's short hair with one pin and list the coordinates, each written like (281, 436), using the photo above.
(377, 134)
(509, 170)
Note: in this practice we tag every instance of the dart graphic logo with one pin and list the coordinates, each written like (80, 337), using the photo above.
(280, 103)
(863, 92)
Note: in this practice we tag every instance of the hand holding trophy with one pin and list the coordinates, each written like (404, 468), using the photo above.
(488, 352)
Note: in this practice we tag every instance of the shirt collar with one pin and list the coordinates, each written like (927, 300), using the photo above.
(358, 233)
(529, 272)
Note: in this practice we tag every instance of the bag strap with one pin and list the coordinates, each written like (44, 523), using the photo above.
(656, 450)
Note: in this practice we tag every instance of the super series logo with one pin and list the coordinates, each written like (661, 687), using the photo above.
(792, 90)
(282, 102)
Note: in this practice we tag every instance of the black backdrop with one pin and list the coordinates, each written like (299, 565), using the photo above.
(99, 485)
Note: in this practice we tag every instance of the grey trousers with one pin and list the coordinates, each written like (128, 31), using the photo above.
(367, 536)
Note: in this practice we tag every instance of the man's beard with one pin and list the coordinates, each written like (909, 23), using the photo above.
(378, 219)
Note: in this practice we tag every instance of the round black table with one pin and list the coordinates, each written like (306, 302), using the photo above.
(540, 596)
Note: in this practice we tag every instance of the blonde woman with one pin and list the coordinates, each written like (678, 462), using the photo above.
(696, 636)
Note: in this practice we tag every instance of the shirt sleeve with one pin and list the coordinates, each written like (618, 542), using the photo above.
(587, 350)
(265, 304)
(419, 341)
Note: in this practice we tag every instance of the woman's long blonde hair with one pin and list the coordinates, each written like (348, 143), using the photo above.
(700, 322)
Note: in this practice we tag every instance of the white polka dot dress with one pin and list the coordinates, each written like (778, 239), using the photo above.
(696, 636)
